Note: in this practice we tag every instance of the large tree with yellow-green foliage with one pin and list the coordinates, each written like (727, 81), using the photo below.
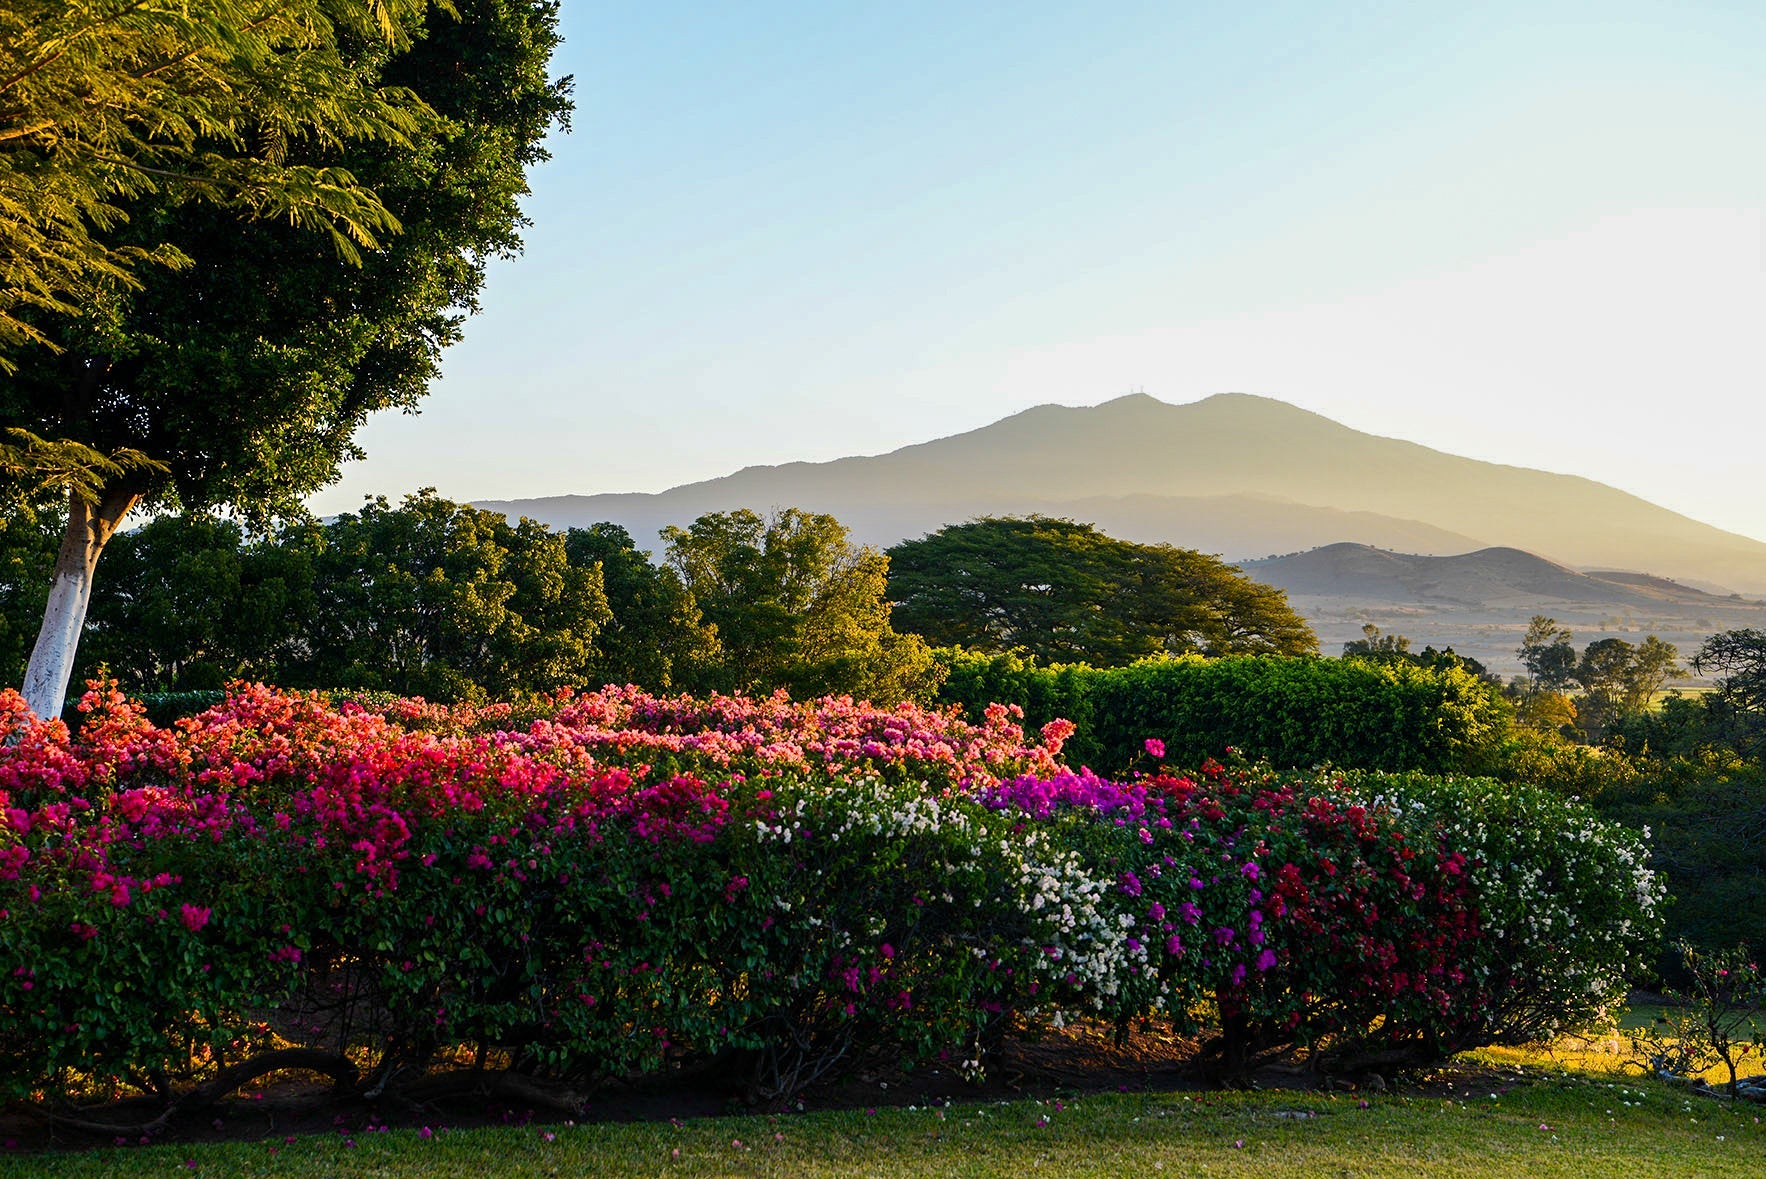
(399, 129)
(795, 604)
(103, 101)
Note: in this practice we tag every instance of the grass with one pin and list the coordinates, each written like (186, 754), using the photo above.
(1535, 1121)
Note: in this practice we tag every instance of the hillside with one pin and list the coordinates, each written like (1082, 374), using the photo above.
(1235, 474)
(1479, 603)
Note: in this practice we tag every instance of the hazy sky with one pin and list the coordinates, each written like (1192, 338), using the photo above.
(1531, 233)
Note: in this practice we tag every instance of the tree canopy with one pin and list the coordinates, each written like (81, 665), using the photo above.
(797, 605)
(657, 637)
(448, 601)
(215, 100)
(1739, 656)
(1067, 593)
(244, 377)
(1548, 655)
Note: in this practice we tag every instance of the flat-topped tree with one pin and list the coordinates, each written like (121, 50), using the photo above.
(245, 375)
(1067, 593)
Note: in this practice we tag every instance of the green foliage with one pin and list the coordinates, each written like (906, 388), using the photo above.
(1377, 647)
(189, 605)
(215, 100)
(1548, 656)
(248, 371)
(1740, 657)
(445, 601)
(1723, 997)
(657, 636)
(1066, 593)
(1708, 831)
(28, 541)
(797, 605)
(1292, 711)
(1620, 680)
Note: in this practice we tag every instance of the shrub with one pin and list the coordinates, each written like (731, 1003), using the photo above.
(629, 883)
(1291, 711)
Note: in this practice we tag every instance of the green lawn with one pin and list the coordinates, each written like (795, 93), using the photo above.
(1580, 1126)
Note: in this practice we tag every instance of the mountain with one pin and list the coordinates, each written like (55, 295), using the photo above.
(1488, 577)
(1234, 474)
(1479, 603)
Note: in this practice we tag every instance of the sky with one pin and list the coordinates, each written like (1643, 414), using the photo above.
(1528, 233)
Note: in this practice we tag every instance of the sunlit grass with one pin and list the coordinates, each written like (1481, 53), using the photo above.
(1513, 1113)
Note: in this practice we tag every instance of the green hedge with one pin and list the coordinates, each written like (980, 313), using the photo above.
(1291, 710)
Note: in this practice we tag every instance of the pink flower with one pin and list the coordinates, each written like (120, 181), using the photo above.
(1155, 747)
(194, 917)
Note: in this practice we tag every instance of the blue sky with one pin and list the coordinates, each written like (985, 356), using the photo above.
(1534, 234)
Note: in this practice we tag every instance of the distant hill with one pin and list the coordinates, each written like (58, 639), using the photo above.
(1234, 474)
(1489, 577)
(1479, 603)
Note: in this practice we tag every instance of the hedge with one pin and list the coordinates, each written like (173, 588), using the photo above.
(770, 887)
(1293, 711)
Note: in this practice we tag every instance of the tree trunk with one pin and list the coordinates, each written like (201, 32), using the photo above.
(89, 529)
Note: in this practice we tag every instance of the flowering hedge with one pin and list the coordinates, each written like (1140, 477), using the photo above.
(629, 883)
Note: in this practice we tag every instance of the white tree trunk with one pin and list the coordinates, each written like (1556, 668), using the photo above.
(89, 529)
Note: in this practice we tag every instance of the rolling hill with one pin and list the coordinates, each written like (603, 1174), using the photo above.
(1479, 603)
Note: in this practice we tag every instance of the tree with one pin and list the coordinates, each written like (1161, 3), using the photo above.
(657, 638)
(101, 102)
(188, 604)
(1547, 654)
(1377, 647)
(1066, 592)
(245, 377)
(1653, 664)
(1620, 680)
(797, 605)
(27, 555)
(447, 601)
(1739, 656)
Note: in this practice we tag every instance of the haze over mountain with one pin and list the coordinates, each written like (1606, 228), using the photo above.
(1479, 603)
(1234, 474)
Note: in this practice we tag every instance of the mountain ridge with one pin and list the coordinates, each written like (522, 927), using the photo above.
(1239, 474)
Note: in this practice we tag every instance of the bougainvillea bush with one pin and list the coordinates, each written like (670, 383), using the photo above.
(620, 883)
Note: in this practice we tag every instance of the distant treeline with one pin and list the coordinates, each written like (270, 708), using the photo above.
(450, 602)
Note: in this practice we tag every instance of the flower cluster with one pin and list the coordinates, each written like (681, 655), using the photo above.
(624, 882)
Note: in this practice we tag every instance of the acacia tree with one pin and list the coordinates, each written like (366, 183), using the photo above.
(244, 377)
(1740, 657)
(1066, 592)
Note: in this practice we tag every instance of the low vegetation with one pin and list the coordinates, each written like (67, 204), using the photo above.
(628, 883)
